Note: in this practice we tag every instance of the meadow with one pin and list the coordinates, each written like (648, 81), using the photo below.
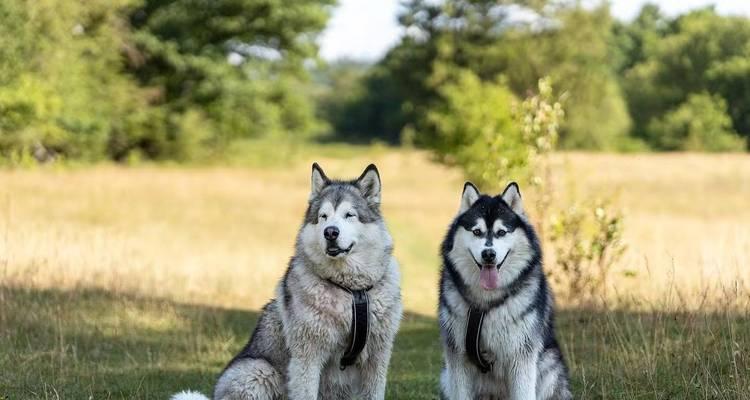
(136, 282)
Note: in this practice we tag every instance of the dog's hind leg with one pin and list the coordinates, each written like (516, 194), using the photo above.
(250, 379)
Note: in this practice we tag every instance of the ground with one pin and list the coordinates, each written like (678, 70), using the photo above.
(138, 282)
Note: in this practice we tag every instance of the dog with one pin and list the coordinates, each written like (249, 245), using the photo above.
(329, 332)
(495, 308)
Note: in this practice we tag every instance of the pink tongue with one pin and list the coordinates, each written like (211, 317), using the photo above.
(488, 278)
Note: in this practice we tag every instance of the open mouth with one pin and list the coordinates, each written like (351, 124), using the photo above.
(489, 273)
(336, 251)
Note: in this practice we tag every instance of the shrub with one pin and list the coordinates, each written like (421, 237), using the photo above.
(483, 128)
(587, 242)
(495, 138)
(701, 123)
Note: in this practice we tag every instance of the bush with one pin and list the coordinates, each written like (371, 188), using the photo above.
(26, 108)
(699, 124)
(475, 127)
(133, 79)
(484, 129)
(587, 242)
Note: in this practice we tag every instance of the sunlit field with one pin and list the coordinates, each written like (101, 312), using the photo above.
(136, 282)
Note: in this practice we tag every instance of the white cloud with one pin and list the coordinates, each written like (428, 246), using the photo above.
(361, 29)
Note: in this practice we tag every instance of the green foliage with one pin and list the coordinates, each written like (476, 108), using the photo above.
(633, 42)
(492, 136)
(184, 79)
(698, 54)
(618, 79)
(129, 79)
(65, 93)
(15, 41)
(701, 123)
(474, 128)
(730, 78)
(587, 242)
(482, 37)
(237, 61)
(345, 102)
(596, 113)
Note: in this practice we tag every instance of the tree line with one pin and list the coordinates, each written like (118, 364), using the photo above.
(186, 79)
(657, 82)
(154, 79)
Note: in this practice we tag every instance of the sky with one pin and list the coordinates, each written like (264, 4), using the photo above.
(366, 29)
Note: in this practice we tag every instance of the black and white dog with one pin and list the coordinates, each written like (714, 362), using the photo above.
(329, 332)
(495, 309)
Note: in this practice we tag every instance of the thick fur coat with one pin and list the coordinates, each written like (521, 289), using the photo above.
(492, 262)
(301, 335)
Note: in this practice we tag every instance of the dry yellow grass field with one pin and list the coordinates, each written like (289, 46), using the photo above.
(222, 236)
(138, 282)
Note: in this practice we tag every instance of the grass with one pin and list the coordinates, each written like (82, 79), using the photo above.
(137, 282)
(90, 343)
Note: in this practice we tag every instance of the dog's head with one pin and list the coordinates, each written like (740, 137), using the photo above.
(344, 230)
(490, 241)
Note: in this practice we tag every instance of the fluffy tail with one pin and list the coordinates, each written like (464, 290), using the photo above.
(188, 395)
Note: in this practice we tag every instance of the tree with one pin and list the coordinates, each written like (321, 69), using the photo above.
(577, 56)
(731, 79)
(699, 124)
(238, 63)
(474, 127)
(635, 41)
(63, 92)
(699, 52)
(361, 102)
(521, 40)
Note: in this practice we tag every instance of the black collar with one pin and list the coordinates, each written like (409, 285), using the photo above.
(473, 340)
(360, 324)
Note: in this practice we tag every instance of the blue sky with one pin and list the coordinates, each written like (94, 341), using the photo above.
(365, 29)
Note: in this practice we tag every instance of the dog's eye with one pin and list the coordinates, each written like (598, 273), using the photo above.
(477, 232)
(501, 233)
(323, 217)
(349, 215)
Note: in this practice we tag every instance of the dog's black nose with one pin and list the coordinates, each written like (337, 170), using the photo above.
(488, 255)
(331, 233)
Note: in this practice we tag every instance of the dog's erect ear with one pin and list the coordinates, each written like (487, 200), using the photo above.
(469, 196)
(369, 184)
(512, 196)
(319, 180)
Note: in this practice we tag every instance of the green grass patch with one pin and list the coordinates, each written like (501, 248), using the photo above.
(95, 344)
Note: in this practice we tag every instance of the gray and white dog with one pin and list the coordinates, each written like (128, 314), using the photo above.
(295, 351)
(495, 308)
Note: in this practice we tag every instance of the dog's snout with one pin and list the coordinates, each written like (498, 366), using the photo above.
(488, 255)
(331, 233)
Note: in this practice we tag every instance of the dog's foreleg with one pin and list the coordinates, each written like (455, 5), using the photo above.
(459, 378)
(380, 341)
(522, 379)
(305, 365)
(304, 378)
(309, 343)
(375, 371)
(374, 378)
